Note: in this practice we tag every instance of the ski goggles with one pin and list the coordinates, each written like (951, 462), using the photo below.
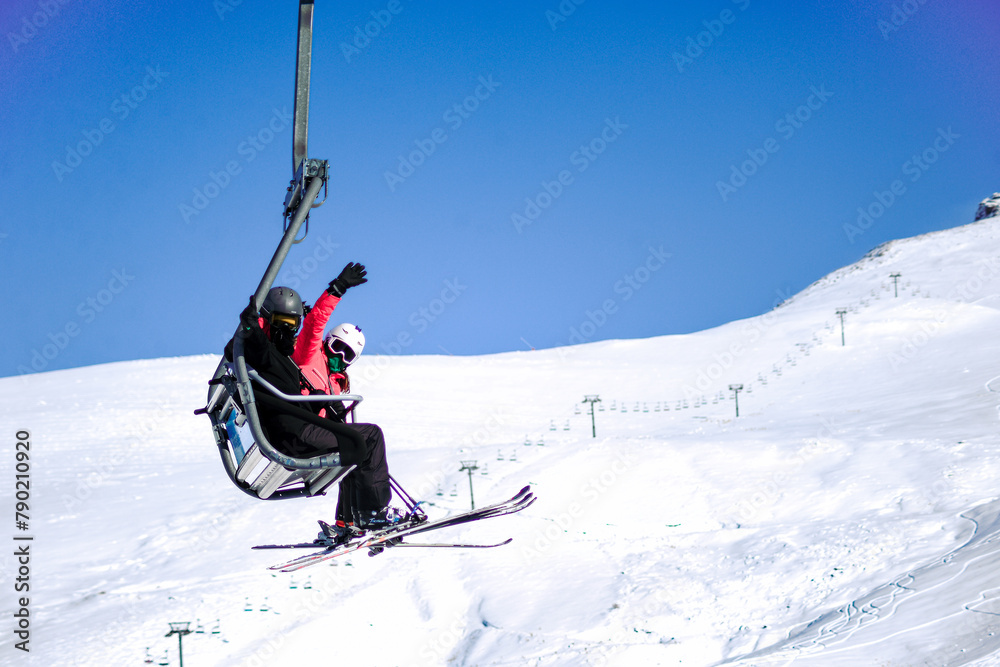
(337, 346)
(285, 320)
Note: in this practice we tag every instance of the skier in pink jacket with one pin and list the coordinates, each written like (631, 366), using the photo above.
(309, 354)
(365, 492)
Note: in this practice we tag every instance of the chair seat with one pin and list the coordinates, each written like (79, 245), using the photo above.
(250, 469)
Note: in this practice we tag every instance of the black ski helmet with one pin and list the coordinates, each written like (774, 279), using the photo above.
(282, 300)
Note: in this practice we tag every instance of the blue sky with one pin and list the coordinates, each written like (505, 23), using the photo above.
(529, 174)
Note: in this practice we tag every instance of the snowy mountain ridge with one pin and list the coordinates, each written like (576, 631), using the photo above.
(916, 252)
(989, 207)
(849, 515)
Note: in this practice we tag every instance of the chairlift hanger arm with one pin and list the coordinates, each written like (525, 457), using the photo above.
(301, 211)
(303, 168)
(303, 68)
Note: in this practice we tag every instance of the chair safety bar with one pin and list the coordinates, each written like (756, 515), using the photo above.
(314, 398)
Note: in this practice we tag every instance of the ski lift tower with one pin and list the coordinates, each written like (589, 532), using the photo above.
(736, 389)
(841, 312)
(592, 399)
(895, 282)
(179, 629)
(470, 466)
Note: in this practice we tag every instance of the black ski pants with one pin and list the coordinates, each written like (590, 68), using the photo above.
(366, 489)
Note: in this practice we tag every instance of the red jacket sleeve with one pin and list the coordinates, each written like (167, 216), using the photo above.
(309, 344)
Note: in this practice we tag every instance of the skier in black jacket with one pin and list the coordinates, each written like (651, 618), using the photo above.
(268, 344)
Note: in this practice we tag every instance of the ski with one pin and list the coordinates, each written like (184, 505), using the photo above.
(375, 543)
(327, 538)
(451, 545)
(498, 509)
(300, 545)
(378, 541)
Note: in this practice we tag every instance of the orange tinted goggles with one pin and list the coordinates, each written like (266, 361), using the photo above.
(285, 320)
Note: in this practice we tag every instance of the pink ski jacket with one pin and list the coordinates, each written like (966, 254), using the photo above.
(309, 355)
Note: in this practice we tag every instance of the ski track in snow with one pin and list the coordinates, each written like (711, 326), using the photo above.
(848, 517)
(944, 599)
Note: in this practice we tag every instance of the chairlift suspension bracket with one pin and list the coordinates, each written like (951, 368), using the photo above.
(307, 170)
(303, 67)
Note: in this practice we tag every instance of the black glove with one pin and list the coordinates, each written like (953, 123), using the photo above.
(352, 275)
(249, 317)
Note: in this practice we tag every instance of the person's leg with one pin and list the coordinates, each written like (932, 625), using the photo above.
(366, 490)
(315, 440)
(347, 500)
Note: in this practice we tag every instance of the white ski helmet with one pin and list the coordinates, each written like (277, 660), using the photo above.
(345, 340)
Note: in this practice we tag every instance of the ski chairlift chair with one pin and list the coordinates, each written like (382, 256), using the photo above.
(251, 462)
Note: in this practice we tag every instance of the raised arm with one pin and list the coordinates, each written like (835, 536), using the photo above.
(308, 346)
(310, 339)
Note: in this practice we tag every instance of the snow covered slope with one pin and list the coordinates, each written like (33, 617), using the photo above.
(849, 516)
